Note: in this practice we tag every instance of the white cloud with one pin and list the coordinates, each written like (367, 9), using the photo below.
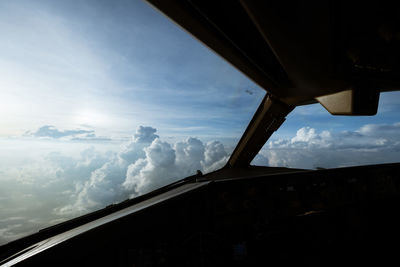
(215, 156)
(157, 169)
(216, 165)
(163, 163)
(51, 132)
(160, 154)
(143, 164)
(189, 155)
(214, 152)
(391, 131)
(144, 134)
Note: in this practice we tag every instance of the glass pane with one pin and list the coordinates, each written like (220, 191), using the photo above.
(311, 138)
(101, 101)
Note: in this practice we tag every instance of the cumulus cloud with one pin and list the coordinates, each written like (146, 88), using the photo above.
(103, 185)
(190, 154)
(145, 134)
(164, 163)
(157, 169)
(214, 152)
(142, 165)
(371, 144)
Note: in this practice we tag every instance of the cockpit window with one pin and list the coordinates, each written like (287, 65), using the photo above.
(101, 101)
(311, 138)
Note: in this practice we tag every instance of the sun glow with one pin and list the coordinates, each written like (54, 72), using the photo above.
(90, 117)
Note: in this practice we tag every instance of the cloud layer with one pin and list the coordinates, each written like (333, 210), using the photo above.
(49, 186)
(309, 149)
(52, 179)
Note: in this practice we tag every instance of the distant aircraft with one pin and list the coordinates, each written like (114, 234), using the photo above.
(249, 92)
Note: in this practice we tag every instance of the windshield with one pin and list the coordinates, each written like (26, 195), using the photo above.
(311, 138)
(101, 101)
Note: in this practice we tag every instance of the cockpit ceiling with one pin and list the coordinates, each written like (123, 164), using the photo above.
(299, 50)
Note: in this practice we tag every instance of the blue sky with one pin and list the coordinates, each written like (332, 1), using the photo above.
(114, 65)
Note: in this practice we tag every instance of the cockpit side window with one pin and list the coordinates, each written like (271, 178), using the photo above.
(311, 138)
